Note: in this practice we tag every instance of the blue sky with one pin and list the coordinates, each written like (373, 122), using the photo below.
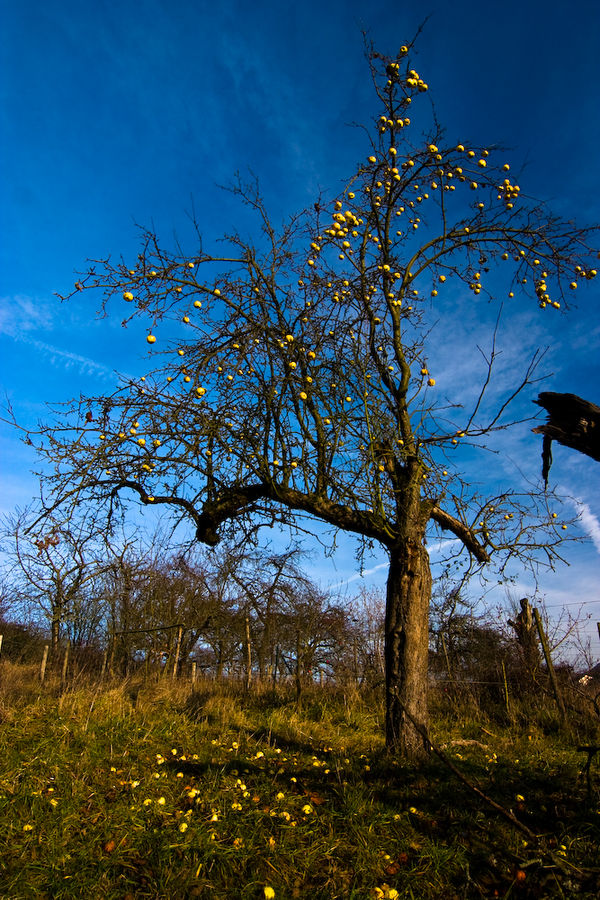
(135, 112)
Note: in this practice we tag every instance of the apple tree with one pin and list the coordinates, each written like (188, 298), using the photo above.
(290, 377)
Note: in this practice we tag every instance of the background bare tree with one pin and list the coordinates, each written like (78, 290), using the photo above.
(53, 567)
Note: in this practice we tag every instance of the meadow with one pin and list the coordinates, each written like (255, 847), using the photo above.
(157, 790)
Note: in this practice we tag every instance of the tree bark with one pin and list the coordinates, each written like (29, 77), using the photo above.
(525, 629)
(55, 628)
(573, 422)
(407, 646)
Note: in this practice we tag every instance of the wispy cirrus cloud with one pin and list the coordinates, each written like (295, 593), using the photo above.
(588, 520)
(365, 573)
(67, 360)
(20, 315)
(444, 546)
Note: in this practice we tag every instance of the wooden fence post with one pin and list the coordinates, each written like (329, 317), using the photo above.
(63, 674)
(104, 663)
(111, 656)
(1, 636)
(194, 671)
(553, 679)
(446, 657)
(44, 663)
(298, 670)
(177, 651)
(506, 697)
(248, 655)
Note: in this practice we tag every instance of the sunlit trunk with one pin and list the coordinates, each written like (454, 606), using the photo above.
(55, 627)
(407, 645)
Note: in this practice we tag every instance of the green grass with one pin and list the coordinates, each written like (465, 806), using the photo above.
(215, 795)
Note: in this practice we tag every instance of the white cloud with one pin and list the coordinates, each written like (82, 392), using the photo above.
(589, 522)
(68, 360)
(443, 546)
(21, 314)
(361, 575)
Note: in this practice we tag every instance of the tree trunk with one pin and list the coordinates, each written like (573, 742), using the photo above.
(407, 646)
(55, 628)
(528, 639)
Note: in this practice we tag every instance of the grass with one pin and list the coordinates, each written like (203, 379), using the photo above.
(161, 792)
